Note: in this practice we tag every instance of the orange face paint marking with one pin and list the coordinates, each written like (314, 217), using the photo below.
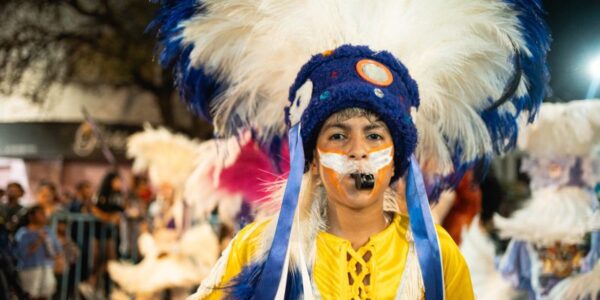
(338, 165)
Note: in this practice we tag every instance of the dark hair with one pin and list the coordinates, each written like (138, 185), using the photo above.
(16, 184)
(31, 212)
(106, 190)
(52, 187)
(108, 199)
(139, 179)
(82, 184)
(492, 196)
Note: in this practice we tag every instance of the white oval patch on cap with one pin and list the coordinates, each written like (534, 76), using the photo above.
(303, 96)
(374, 72)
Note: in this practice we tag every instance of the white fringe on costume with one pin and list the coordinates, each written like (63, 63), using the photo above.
(571, 128)
(185, 265)
(563, 214)
(479, 252)
(411, 283)
(258, 48)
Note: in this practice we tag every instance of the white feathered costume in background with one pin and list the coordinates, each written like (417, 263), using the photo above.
(176, 256)
(479, 251)
(555, 238)
(201, 190)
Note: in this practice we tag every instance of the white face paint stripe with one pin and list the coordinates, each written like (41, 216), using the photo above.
(381, 158)
(337, 162)
(342, 164)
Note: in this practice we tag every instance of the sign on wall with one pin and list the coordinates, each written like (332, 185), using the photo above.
(70, 141)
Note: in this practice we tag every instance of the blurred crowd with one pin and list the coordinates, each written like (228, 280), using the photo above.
(61, 245)
(40, 243)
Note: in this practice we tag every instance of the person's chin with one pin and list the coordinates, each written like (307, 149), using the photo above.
(358, 199)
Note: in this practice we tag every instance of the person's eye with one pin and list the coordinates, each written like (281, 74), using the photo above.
(375, 136)
(336, 137)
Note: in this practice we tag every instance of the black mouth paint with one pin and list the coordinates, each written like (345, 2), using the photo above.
(363, 181)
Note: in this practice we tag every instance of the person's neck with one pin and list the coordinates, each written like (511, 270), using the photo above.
(12, 202)
(356, 225)
(48, 208)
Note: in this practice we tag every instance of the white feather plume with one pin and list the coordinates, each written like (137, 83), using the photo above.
(571, 128)
(202, 191)
(563, 214)
(197, 251)
(168, 157)
(458, 51)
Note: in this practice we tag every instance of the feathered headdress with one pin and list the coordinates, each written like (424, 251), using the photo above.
(168, 157)
(478, 65)
(564, 166)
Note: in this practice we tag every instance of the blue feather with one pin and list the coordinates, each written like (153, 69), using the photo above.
(167, 24)
(197, 88)
(502, 126)
(450, 181)
(274, 149)
(242, 287)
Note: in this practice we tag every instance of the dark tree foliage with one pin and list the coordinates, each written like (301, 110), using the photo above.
(85, 42)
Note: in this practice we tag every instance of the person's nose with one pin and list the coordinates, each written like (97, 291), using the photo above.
(358, 149)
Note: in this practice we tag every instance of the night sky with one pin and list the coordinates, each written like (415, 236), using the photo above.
(575, 28)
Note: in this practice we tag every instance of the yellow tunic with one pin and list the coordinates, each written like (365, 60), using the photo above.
(373, 271)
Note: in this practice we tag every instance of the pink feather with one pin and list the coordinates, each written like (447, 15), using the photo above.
(254, 171)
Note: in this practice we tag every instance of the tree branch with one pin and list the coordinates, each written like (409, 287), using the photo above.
(144, 83)
(80, 9)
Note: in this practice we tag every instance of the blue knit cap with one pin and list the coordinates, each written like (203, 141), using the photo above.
(355, 77)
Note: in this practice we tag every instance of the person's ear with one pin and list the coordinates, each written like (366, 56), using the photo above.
(314, 165)
(314, 168)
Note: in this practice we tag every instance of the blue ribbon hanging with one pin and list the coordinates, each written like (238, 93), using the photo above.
(272, 270)
(424, 233)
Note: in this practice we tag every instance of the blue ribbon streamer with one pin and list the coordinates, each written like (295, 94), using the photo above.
(272, 270)
(424, 233)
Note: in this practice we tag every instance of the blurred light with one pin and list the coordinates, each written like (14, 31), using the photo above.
(594, 67)
(594, 70)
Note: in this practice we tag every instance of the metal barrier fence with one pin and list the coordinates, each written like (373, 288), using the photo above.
(92, 238)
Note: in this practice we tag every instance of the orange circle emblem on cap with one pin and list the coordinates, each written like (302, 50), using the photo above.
(374, 72)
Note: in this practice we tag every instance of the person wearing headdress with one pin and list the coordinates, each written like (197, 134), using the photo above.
(554, 245)
(434, 89)
(178, 253)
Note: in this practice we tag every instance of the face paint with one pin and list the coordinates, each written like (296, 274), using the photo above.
(364, 171)
(344, 165)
